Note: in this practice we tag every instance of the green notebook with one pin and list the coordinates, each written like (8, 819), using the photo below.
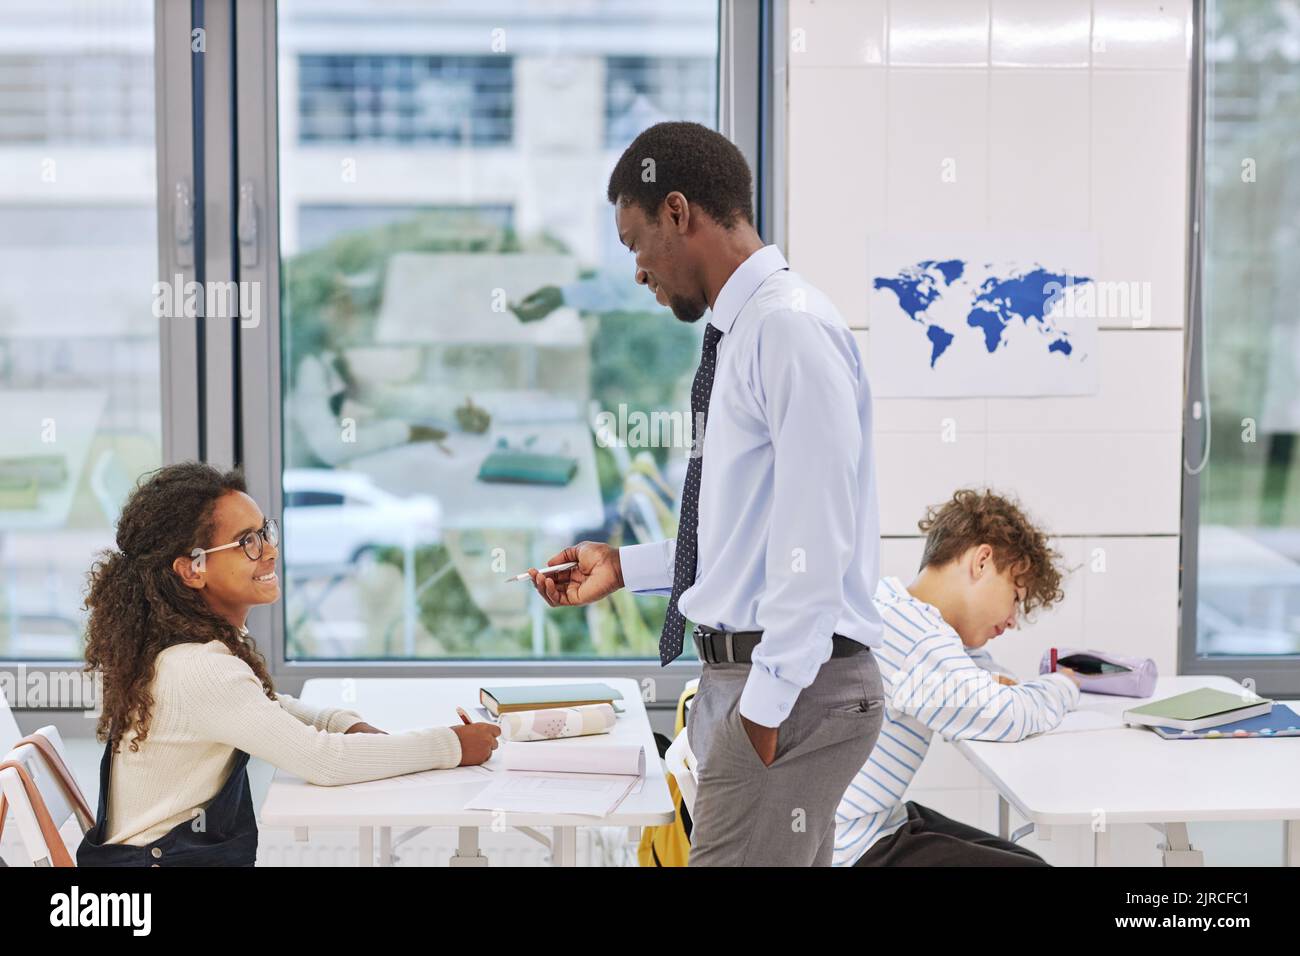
(507, 700)
(1199, 709)
(526, 467)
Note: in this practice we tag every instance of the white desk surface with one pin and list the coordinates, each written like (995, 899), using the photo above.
(395, 704)
(1135, 776)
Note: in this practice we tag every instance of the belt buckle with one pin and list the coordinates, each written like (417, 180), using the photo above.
(731, 647)
(703, 645)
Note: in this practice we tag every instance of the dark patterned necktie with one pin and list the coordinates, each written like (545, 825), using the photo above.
(684, 556)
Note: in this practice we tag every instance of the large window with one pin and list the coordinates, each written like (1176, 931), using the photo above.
(456, 313)
(1248, 581)
(79, 346)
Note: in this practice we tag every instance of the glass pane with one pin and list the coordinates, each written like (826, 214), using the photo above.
(79, 351)
(454, 298)
(1249, 553)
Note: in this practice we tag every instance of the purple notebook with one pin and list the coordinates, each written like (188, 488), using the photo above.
(1282, 721)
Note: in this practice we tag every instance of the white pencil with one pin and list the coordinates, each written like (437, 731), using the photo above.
(554, 567)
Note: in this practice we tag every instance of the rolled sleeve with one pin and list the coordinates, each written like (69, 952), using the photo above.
(648, 568)
(807, 384)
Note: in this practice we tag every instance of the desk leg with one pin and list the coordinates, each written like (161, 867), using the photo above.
(1177, 848)
(366, 847)
(1291, 842)
(1004, 818)
(467, 851)
(1101, 847)
(564, 846)
(386, 846)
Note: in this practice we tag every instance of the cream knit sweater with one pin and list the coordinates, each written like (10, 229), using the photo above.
(207, 704)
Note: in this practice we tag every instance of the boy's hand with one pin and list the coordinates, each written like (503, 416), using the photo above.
(1072, 674)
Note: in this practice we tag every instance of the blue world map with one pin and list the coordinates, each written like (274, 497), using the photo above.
(992, 304)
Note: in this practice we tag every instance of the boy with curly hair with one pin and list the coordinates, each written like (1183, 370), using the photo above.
(984, 565)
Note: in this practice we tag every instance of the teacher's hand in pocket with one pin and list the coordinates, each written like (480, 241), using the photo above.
(763, 739)
(477, 741)
(597, 574)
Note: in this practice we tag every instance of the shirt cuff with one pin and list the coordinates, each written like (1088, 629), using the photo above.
(767, 700)
(1071, 688)
(647, 567)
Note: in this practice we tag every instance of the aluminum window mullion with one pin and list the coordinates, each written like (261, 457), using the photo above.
(259, 264)
(219, 331)
(176, 207)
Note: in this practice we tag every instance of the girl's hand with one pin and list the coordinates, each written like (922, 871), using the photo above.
(477, 741)
(364, 728)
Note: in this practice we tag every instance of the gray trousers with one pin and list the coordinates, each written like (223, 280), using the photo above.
(749, 814)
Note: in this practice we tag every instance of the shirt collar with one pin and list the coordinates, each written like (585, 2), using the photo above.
(742, 285)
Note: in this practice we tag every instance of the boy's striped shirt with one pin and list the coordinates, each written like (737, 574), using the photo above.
(933, 684)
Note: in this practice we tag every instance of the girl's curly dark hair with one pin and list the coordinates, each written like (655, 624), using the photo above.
(138, 604)
(972, 518)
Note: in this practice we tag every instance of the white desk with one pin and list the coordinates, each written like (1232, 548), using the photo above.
(1101, 777)
(408, 703)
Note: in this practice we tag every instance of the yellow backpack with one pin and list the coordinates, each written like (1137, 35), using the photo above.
(670, 843)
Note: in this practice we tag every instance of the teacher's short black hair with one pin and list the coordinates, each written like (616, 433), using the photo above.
(700, 163)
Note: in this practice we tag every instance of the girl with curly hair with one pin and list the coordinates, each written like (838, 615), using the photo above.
(187, 697)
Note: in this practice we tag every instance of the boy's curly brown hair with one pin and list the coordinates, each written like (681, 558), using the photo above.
(139, 606)
(971, 518)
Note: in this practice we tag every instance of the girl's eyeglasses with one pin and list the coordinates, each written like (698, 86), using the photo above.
(252, 541)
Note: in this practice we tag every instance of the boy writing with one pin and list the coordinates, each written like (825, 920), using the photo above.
(983, 566)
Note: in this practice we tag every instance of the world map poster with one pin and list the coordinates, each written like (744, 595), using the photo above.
(982, 315)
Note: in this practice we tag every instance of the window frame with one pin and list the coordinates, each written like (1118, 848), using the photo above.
(1276, 676)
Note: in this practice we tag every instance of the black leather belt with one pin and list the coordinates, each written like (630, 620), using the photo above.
(737, 647)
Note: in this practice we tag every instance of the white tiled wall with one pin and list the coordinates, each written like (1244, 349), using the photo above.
(1061, 115)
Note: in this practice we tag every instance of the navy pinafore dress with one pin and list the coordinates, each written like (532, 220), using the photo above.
(224, 834)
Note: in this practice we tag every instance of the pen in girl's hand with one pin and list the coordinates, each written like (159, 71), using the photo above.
(460, 711)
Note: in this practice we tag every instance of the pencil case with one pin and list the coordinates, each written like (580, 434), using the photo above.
(1096, 670)
(557, 722)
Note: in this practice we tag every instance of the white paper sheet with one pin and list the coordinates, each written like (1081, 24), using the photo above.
(424, 778)
(587, 794)
(558, 776)
(1080, 720)
(573, 756)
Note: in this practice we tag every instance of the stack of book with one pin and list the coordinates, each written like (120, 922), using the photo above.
(1208, 713)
